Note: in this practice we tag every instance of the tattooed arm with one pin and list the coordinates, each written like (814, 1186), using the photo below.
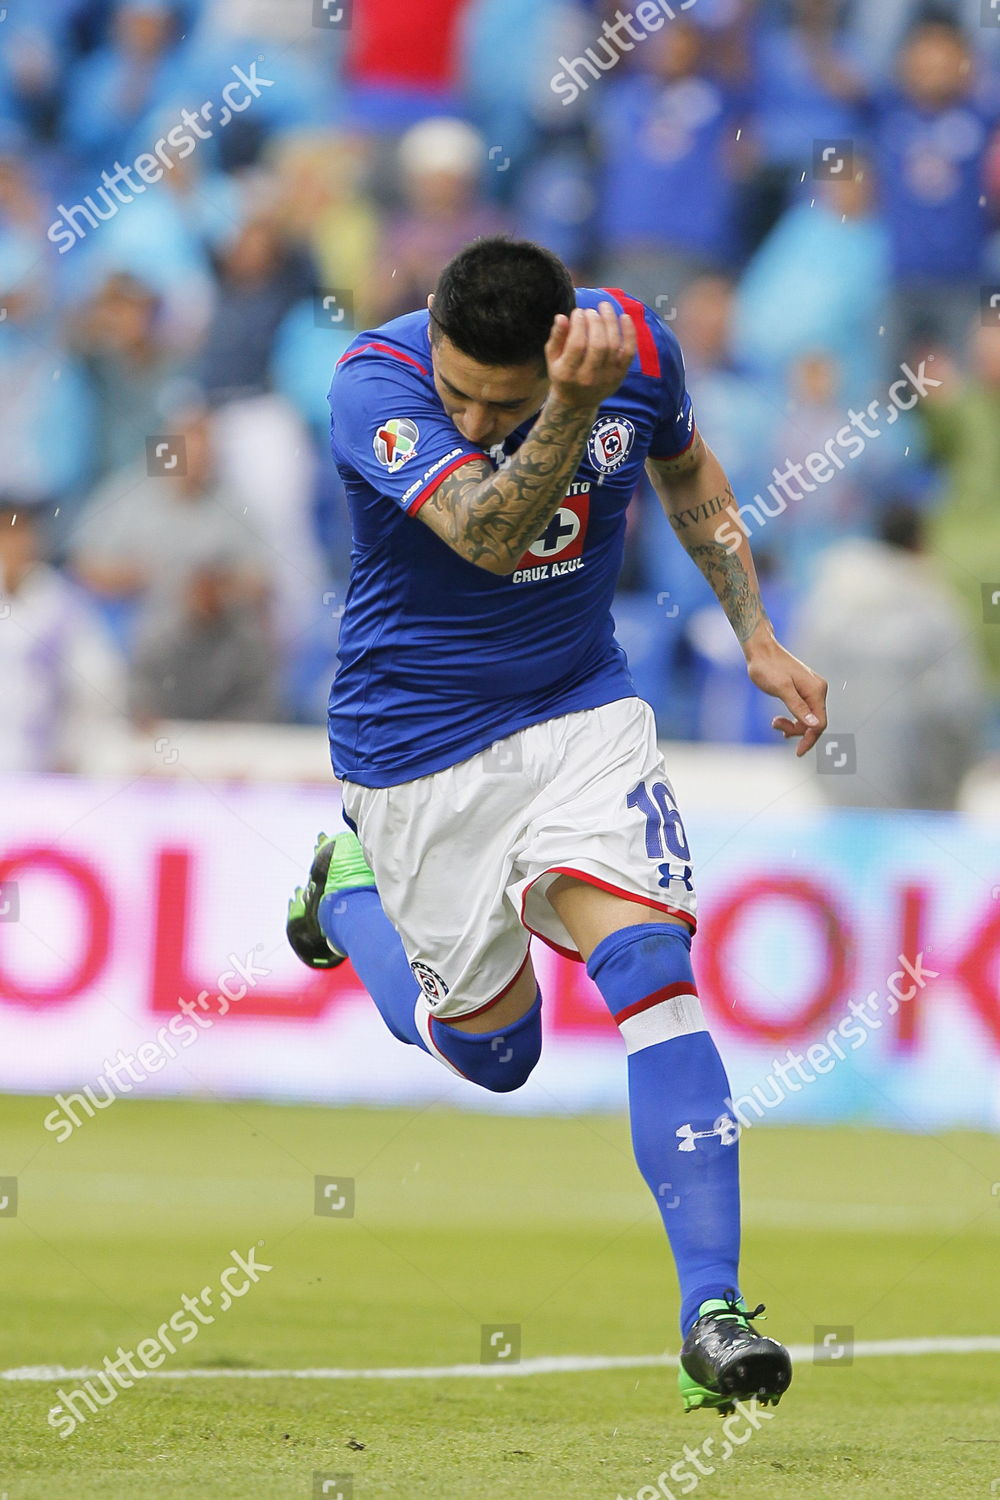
(491, 518)
(696, 495)
(701, 508)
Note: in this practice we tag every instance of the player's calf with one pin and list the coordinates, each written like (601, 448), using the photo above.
(683, 1134)
(686, 1146)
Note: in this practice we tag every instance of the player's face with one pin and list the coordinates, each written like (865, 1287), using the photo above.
(486, 402)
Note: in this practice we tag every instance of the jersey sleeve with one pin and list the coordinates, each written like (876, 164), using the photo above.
(388, 427)
(674, 432)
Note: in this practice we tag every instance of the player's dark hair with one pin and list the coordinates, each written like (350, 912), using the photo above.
(496, 300)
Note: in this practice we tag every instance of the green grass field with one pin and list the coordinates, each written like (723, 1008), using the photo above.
(465, 1220)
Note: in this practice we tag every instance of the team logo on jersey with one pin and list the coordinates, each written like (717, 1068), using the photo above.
(610, 442)
(563, 536)
(395, 443)
(559, 549)
(430, 982)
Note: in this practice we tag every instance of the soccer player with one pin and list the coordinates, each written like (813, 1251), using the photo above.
(500, 775)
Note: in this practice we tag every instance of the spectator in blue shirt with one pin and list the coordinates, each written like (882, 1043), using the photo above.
(806, 74)
(113, 88)
(261, 278)
(507, 50)
(878, 28)
(819, 281)
(29, 69)
(132, 370)
(806, 83)
(666, 186)
(45, 407)
(931, 141)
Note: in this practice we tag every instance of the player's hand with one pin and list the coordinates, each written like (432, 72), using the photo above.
(588, 355)
(803, 691)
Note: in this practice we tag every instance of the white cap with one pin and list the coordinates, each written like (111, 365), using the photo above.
(441, 144)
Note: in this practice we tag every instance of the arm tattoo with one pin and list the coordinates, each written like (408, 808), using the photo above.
(679, 518)
(491, 519)
(684, 464)
(733, 587)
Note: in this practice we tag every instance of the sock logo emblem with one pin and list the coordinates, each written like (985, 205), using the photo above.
(725, 1128)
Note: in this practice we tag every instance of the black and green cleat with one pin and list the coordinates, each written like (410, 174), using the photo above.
(724, 1359)
(338, 864)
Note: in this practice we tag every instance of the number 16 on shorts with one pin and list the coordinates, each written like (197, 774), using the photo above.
(664, 832)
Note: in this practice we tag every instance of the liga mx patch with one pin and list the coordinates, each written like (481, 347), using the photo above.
(395, 443)
(610, 443)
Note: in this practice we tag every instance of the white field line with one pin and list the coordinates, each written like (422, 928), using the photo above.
(561, 1364)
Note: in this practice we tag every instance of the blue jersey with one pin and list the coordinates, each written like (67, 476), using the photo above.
(438, 657)
(931, 169)
(666, 179)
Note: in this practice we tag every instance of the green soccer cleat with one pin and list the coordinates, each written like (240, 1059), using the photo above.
(338, 865)
(724, 1359)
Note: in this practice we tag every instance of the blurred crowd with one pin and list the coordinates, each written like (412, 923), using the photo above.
(201, 203)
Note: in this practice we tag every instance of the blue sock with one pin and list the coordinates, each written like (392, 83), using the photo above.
(683, 1133)
(356, 924)
(496, 1060)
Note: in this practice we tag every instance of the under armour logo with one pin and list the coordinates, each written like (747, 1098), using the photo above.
(725, 1128)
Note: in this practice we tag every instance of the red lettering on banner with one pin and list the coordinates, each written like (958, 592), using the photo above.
(908, 1016)
(171, 979)
(976, 970)
(728, 993)
(86, 883)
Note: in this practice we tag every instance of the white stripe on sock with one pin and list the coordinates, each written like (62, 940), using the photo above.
(661, 1023)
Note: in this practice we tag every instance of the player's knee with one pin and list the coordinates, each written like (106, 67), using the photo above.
(500, 1061)
(644, 974)
(508, 1062)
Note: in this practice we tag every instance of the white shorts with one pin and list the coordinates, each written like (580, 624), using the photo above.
(463, 857)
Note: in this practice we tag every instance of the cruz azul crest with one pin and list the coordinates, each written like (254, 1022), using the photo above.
(610, 443)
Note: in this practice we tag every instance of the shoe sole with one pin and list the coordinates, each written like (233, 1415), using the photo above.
(304, 933)
(759, 1378)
